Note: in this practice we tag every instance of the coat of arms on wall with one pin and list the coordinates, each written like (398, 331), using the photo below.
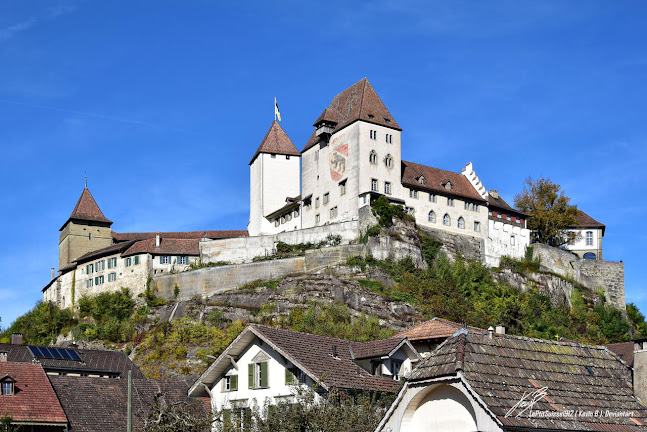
(338, 161)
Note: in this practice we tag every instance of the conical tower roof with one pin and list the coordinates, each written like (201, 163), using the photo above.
(86, 209)
(357, 102)
(276, 141)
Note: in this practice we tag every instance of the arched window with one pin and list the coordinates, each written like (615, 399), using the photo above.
(446, 220)
(432, 217)
(372, 158)
(388, 161)
(461, 223)
(589, 255)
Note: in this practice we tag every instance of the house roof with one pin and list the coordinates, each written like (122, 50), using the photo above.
(289, 204)
(212, 235)
(624, 351)
(501, 204)
(501, 370)
(276, 141)
(379, 348)
(435, 180)
(93, 404)
(586, 221)
(357, 102)
(34, 400)
(108, 250)
(86, 209)
(166, 247)
(115, 362)
(435, 328)
(313, 354)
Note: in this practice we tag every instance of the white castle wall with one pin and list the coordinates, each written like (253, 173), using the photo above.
(505, 239)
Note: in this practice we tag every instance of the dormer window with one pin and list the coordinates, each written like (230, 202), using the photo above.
(421, 179)
(370, 116)
(447, 185)
(7, 387)
(388, 120)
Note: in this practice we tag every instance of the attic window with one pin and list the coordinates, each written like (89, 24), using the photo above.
(421, 179)
(387, 120)
(448, 185)
(7, 388)
(370, 116)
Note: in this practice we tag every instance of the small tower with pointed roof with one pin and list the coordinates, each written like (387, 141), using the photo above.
(274, 180)
(86, 230)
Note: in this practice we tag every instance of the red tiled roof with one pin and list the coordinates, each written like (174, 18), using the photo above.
(435, 328)
(376, 348)
(276, 141)
(435, 180)
(503, 369)
(212, 235)
(314, 354)
(34, 400)
(86, 209)
(586, 221)
(108, 250)
(357, 102)
(167, 247)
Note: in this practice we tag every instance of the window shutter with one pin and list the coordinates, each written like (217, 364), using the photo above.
(264, 374)
(250, 375)
(289, 377)
(136, 259)
(161, 259)
(233, 382)
(96, 280)
(109, 262)
(87, 269)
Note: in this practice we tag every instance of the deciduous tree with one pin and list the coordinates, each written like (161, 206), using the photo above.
(551, 211)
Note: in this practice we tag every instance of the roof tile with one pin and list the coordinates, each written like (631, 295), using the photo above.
(276, 141)
(435, 181)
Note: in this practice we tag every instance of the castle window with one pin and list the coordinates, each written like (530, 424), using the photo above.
(318, 218)
(316, 202)
(277, 222)
(461, 223)
(273, 156)
(477, 226)
(475, 207)
(389, 138)
(467, 205)
(512, 240)
(450, 202)
(342, 188)
(410, 210)
(388, 161)
(432, 217)
(165, 259)
(387, 188)
(287, 157)
(89, 236)
(128, 261)
(432, 197)
(589, 256)
(446, 220)
(112, 277)
(373, 134)
(326, 198)
(589, 238)
(333, 212)
(101, 280)
(372, 157)
(374, 185)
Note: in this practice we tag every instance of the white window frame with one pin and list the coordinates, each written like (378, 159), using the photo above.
(326, 198)
(432, 216)
(372, 157)
(374, 185)
(589, 238)
(461, 223)
(387, 188)
(432, 197)
(447, 220)
(477, 226)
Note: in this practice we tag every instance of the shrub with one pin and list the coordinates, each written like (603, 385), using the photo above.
(385, 212)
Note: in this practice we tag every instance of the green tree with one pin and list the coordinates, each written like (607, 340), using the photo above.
(5, 424)
(385, 212)
(551, 211)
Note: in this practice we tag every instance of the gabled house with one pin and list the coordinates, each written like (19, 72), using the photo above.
(588, 241)
(263, 363)
(427, 335)
(489, 382)
(27, 396)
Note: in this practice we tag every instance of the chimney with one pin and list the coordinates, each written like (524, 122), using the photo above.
(494, 194)
(16, 338)
(53, 273)
(491, 331)
(500, 329)
(157, 239)
(3, 356)
(334, 350)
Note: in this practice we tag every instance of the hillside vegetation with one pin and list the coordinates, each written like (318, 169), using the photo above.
(462, 290)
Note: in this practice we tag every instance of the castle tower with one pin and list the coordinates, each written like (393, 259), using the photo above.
(274, 177)
(86, 230)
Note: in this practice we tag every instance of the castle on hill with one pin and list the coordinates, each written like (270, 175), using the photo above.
(352, 158)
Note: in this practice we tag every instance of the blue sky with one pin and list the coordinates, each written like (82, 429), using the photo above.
(163, 103)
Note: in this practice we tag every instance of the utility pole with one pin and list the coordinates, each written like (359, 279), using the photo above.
(130, 402)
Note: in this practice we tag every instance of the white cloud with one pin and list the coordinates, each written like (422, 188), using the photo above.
(10, 31)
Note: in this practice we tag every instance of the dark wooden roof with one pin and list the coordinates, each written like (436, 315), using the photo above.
(276, 141)
(34, 400)
(86, 209)
(357, 102)
(114, 362)
(502, 369)
(435, 179)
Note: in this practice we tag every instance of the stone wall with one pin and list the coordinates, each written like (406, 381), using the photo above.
(593, 274)
(468, 246)
(245, 249)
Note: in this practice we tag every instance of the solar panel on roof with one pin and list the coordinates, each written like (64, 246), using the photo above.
(54, 353)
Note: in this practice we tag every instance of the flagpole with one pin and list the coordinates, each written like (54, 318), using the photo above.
(274, 108)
